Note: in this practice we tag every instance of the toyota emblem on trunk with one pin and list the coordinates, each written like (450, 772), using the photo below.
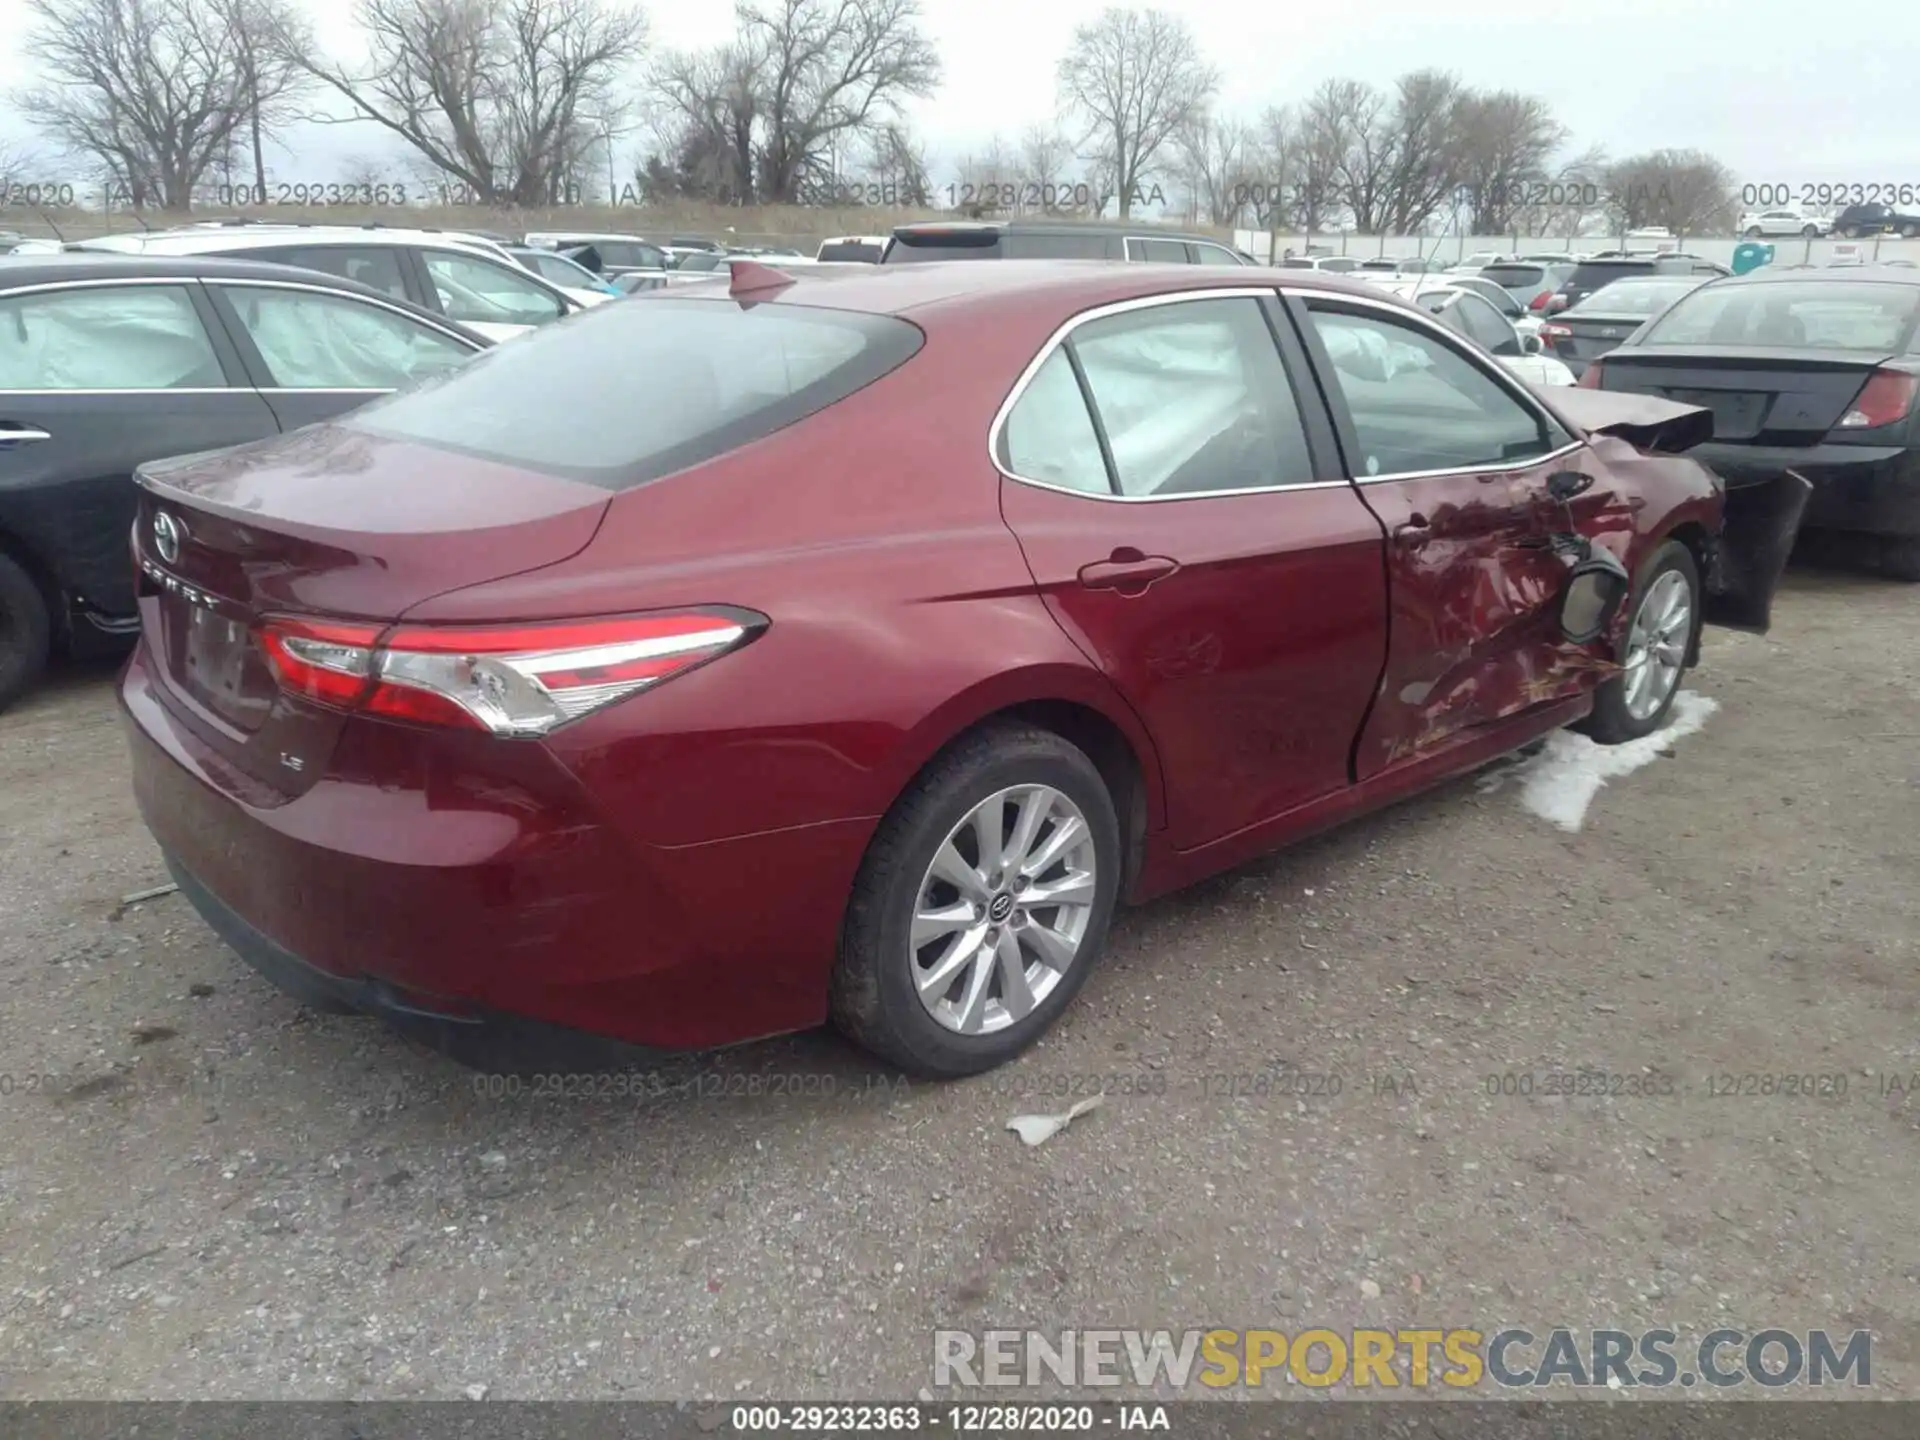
(167, 535)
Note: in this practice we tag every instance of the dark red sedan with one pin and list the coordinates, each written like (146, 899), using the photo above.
(713, 664)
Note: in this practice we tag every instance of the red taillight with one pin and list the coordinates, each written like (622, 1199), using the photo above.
(507, 679)
(1550, 331)
(1539, 302)
(1886, 397)
(328, 662)
(1590, 377)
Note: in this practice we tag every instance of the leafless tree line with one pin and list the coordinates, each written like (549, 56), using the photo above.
(522, 102)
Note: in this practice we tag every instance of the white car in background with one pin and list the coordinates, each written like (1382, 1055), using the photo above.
(1332, 264)
(465, 278)
(1494, 294)
(853, 247)
(1466, 312)
(1756, 223)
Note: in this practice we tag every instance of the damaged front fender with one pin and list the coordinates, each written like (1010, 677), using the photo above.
(1749, 555)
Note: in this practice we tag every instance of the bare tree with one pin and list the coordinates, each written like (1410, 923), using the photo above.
(1505, 147)
(898, 163)
(153, 89)
(1570, 195)
(1217, 156)
(829, 69)
(1687, 191)
(500, 97)
(1346, 149)
(1046, 160)
(1135, 78)
(1423, 143)
(264, 35)
(715, 102)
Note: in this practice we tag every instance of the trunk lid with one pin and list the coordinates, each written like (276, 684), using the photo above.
(1595, 335)
(1760, 397)
(330, 523)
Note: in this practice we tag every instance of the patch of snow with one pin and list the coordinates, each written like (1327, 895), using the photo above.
(1559, 783)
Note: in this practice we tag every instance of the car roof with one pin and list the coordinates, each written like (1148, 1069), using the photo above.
(1146, 230)
(936, 286)
(34, 270)
(1838, 274)
(199, 239)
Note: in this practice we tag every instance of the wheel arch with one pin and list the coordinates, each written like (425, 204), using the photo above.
(1079, 705)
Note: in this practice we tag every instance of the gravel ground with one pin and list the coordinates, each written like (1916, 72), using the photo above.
(213, 1193)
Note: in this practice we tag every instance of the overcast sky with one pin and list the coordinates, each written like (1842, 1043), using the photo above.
(1775, 92)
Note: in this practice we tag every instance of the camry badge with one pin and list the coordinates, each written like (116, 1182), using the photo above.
(167, 535)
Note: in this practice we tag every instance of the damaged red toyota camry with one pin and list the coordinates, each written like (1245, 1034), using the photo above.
(746, 656)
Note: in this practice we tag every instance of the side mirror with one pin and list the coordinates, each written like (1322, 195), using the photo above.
(1596, 588)
(1531, 345)
(1563, 485)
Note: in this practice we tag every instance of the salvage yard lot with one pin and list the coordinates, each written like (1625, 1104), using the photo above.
(207, 1192)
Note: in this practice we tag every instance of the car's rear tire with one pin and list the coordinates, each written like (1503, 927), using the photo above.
(1664, 618)
(1909, 230)
(1900, 557)
(1753, 232)
(26, 631)
(1812, 232)
(1058, 834)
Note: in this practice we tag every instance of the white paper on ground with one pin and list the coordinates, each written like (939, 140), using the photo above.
(1560, 782)
(1037, 1129)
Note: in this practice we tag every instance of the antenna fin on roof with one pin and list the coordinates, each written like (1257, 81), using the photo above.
(752, 278)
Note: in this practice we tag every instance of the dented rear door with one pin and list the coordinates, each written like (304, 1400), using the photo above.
(1452, 460)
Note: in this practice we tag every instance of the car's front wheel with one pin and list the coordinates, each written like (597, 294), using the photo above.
(1665, 616)
(1810, 231)
(26, 632)
(1753, 232)
(982, 903)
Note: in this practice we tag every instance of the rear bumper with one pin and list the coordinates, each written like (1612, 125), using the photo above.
(445, 885)
(1869, 489)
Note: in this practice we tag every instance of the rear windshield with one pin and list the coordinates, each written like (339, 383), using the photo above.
(943, 245)
(1515, 277)
(628, 392)
(1632, 297)
(1794, 314)
(849, 250)
(1599, 272)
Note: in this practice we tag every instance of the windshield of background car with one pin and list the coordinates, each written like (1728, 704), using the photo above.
(1591, 273)
(719, 375)
(1515, 277)
(1794, 314)
(1632, 297)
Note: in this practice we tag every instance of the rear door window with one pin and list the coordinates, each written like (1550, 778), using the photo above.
(1049, 434)
(1193, 399)
(106, 337)
(375, 266)
(1206, 254)
(716, 376)
(1157, 252)
(475, 291)
(310, 340)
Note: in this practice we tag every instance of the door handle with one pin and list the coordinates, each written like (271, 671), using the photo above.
(1127, 571)
(22, 435)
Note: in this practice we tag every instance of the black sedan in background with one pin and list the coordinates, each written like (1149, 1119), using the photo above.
(1609, 316)
(1814, 371)
(108, 361)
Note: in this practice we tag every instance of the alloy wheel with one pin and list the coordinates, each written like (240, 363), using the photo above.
(1002, 909)
(1657, 644)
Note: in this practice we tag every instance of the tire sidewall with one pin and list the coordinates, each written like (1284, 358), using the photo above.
(937, 1049)
(1613, 721)
(26, 632)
